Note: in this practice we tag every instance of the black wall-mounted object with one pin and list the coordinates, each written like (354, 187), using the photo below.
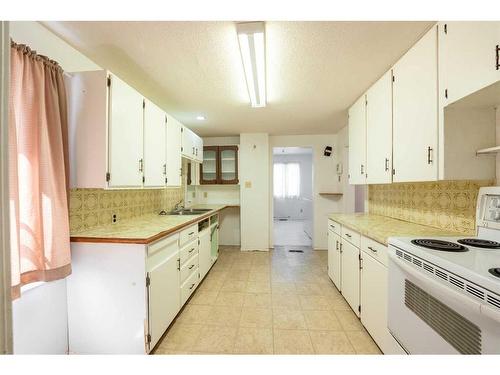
(328, 151)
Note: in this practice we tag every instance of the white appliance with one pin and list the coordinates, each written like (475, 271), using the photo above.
(444, 292)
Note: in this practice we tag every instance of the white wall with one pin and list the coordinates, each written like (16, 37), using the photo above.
(40, 315)
(324, 180)
(299, 208)
(255, 161)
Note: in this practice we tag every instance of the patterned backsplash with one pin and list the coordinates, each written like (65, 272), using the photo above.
(449, 205)
(90, 208)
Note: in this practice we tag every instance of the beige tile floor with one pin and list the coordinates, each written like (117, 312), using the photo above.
(267, 303)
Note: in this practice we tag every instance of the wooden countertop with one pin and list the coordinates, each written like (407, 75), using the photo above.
(143, 229)
(380, 228)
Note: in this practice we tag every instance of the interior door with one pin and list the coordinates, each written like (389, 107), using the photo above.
(350, 275)
(155, 143)
(379, 131)
(228, 164)
(357, 142)
(164, 296)
(415, 111)
(174, 158)
(205, 253)
(467, 57)
(125, 135)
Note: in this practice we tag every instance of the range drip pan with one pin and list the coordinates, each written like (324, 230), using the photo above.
(439, 245)
(477, 242)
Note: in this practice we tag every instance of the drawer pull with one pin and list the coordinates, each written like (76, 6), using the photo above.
(348, 235)
(192, 265)
(372, 249)
(190, 251)
(333, 226)
(190, 234)
(191, 287)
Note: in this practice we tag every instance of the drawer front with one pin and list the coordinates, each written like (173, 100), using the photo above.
(334, 226)
(188, 234)
(374, 249)
(189, 286)
(351, 236)
(189, 267)
(188, 251)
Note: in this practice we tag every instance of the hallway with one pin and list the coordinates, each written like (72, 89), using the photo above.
(292, 233)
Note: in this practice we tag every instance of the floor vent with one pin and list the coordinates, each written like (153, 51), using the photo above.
(295, 251)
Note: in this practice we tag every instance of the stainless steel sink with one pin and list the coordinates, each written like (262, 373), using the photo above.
(189, 211)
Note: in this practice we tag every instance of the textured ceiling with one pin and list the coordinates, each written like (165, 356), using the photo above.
(315, 70)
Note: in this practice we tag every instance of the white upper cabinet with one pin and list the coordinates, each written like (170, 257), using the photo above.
(357, 142)
(198, 149)
(415, 112)
(192, 145)
(155, 144)
(468, 58)
(125, 152)
(379, 131)
(174, 160)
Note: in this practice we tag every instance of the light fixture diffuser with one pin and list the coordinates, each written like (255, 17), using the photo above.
(252, 42)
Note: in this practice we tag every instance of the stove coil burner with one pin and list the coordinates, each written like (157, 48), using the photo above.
(494, 271)
(439, 245)
(477, 242)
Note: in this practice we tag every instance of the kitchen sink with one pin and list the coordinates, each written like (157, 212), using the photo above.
(189, 211)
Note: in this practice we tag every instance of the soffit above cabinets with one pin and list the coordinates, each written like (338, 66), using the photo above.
(315, 70)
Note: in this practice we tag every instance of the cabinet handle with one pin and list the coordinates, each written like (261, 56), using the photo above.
(190, 251)
(362, 168)
(429, 155)
(341, 248)
(192, 265)
(191, 287)
(348, 235)
(141, 165)
(333, 226)
(372, 249)
(497, 50)
(193, 150)
(336, 245)
(190, 234)
(165, 169)
(386, 164)
(179, 264)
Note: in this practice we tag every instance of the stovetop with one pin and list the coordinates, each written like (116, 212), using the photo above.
(476, 264)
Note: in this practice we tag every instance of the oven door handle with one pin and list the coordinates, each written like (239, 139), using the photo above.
(436, 288)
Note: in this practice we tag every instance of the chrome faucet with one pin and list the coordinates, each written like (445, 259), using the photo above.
(178, 206)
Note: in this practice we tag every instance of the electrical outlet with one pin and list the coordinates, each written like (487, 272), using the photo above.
(114, 218)
(205, 194)
(248, 184)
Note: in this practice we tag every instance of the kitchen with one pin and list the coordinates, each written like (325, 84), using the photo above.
(147, 220)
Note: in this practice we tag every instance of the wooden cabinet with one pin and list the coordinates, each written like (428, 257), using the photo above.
(379, 131)
(220, 165)
(174, 159)
(468, 58)
(334, 258)
(155, 145)
(357, 142)
(205, 255)
(163, 287)
(350, 275)
(126, 161)
(415, 112)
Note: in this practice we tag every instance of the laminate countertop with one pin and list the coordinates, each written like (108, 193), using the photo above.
(143, 229)
(380, 228)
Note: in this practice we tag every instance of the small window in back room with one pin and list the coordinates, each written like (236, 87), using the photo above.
(286, 180)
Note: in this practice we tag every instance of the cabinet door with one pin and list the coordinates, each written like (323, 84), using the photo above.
(209, 166)
(334, 259)
(415, 112)
(198, 148)
(174, 159)
(374, 298)
(357, 142)
(164, 296)
(228, 164)
(205, 255)
(350, 275)
(125, 135)
(467, 58)
(188, 148)
(214, 242)
(155, 143)
(379, 131)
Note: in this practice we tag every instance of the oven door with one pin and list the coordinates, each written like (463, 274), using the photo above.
(428, 317)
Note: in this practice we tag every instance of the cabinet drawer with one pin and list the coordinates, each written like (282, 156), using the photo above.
(188, 234)
(189, 286)
(189, 267)
(351, 236)
(334, 226)
(188, 251)
(374, 249)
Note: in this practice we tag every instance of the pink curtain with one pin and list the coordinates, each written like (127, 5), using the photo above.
(38, 151)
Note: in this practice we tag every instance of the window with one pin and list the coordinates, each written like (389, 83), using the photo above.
(286, 180)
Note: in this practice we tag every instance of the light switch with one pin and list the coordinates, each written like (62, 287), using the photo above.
(205, 194)
(248, 184)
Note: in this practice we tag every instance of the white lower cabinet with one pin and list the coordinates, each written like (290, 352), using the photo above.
(205, 252)
(363, 277)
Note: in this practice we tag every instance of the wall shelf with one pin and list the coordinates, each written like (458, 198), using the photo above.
(488, 151)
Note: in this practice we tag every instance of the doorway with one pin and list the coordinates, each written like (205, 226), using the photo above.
(292, 196)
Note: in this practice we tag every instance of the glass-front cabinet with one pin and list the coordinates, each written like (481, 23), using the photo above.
(220, 165)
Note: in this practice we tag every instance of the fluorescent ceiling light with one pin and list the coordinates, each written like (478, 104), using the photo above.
(200, 118)
(252, 41)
